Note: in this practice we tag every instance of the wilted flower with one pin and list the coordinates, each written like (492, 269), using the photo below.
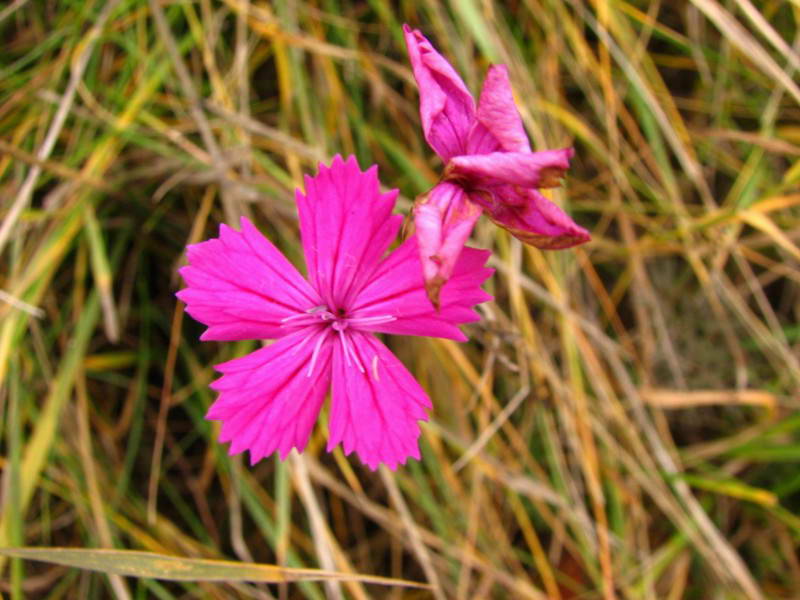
(242, 287)
(489, 167)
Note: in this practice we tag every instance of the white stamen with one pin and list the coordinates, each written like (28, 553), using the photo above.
(294, 317)
(376, 320)
(304, 315)
(349, 352)
(315, 354)
(344, 347)
(375, 368)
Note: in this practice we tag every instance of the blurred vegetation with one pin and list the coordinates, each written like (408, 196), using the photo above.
(624, 421)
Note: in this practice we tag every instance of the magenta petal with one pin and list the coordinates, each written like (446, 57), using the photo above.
(241, 286)
(375, 412)
(267, 399)
(346, 226)
(445, 104)
(534, 219)
(524, 169)
(398, 290)
(443, 218)
(499, 126)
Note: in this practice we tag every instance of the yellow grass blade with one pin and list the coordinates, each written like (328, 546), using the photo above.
(133, 563)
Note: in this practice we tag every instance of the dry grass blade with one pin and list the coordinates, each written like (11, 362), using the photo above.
(674, 399)
(174, 568)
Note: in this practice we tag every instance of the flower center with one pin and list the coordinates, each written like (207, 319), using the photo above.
(321, 321)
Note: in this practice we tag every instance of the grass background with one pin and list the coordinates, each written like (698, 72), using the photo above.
(624, 421)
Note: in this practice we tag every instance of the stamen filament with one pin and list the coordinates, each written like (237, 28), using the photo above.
(315, 354)
(309, 311)
(301, 315)
(376, 320)
(349, 352)
(300, 321)
(375, 368)
(309, 317)
(344, 347)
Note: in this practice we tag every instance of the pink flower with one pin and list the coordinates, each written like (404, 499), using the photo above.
(489, 167)
(242, 287)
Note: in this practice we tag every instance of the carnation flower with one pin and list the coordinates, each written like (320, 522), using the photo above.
(241, 287)
(489, 167)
